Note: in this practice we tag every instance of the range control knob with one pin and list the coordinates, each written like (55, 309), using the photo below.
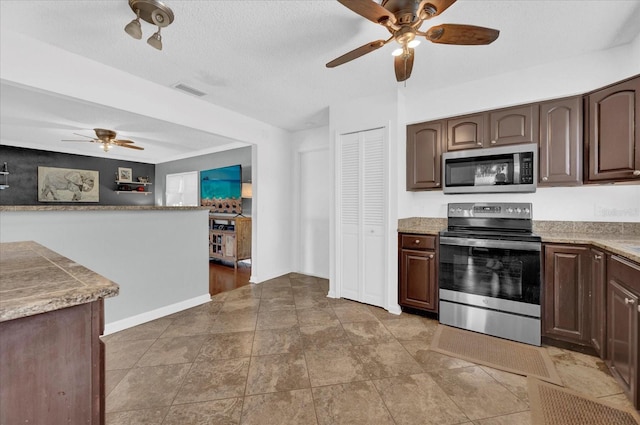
(510, 210)
(518, 210)
(527, 210)
(458, 210)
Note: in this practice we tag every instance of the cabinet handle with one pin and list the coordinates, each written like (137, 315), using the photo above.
(479, 143)
(417, 241)
(597, 257)
(629, 301)
(437, 184)
(636, 173)
(545, 178)
(430, 255)
(493, 142)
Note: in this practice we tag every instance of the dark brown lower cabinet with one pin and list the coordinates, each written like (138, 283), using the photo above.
(566, 293)
(598, 300)
(52, 367)
(623, 317)
(417, 274)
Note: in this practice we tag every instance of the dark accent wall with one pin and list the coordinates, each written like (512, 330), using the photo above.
(23, 178)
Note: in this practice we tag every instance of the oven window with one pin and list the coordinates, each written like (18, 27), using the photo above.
(498, 273)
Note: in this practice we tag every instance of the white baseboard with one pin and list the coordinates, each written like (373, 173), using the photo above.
(148, 316)
(394, 309)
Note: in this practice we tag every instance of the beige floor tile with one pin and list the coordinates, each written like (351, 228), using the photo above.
(521, 418)
(311, 301)
(242, 305)
(277, 319)
(361, 333)
(282, 408)
(218, 412)
(411, 328)
(234, 322)
(113, 378)
(147, 387)
(193, 324)
(149, 330)
(183, 349)
(382, 314)
(356, 403)
(585, 374)
(281, 303)
(214, 380)
(477, 394)
(137, 417)
(517, 384)
(277, 341)
(430, 360)
(334, 365)
(247, 291)
(226, 346)
(125, 354)
(323, 336)
(418, 400)
(387, 359)
(317, 316)
(211, 308)
(277, 292)
(354, 313)
(280, 372)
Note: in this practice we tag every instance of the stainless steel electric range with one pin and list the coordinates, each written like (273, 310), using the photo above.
(489, 270)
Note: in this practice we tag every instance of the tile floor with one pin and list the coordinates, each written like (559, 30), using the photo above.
(283, 353)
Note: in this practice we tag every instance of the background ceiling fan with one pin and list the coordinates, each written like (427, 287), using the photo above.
(403, 18)
(108, 140)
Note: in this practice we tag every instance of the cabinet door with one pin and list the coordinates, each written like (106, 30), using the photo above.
(424, 153)
(598, 295)
(418, 286)
(623, 324)
(466, 132)
(622, 334)
(561, 142)
(513, 125)
(566, 289)
(614, 133)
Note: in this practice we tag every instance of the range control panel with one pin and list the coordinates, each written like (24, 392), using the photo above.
(522, 210)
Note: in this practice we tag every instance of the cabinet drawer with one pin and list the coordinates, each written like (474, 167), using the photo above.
(410, 241)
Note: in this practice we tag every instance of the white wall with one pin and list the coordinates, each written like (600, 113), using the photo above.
(569, 77)
(312, 197)
(31, 63)
(159, 258)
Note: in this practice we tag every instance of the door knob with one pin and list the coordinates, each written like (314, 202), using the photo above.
(636, 173)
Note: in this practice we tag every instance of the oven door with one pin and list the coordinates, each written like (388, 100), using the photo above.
(501, 271)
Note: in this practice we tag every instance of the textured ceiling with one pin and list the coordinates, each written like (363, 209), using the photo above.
(266, 59)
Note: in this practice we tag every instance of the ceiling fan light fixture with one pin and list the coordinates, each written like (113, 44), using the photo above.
(153, 12)
(133, 28)
(413, 43)
(397, 52)
(155, 40)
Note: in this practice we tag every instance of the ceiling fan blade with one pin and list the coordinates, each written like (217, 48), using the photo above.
(131, 147)
(440, 6)
(403, 66)
(82, 135)
(356, 53)
(83, 141)
(370, 10)
(468, 35)
(118, 141)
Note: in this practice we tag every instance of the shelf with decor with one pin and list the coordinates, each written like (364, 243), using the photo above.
(229, 238)
(122, 184)
(5, 173)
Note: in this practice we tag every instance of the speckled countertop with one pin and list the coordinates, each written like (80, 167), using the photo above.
(617, 237)
(96, 208)
(34, 279)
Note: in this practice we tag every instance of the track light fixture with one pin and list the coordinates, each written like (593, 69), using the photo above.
(153, 12)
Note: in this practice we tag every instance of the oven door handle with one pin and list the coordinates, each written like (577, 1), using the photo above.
(492, 243)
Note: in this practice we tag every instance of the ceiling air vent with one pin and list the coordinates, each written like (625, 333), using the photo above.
(190, 90)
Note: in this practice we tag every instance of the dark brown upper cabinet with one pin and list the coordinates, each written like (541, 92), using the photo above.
(468, 132)
(560, 159)
(513, 126)
(613, 135)
(424, 153)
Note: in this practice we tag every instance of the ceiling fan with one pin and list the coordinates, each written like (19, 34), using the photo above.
(403, 18)
(108, 140)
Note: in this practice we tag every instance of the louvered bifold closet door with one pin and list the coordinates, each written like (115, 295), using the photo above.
(350, 215)
(363, 216)
(373, 217)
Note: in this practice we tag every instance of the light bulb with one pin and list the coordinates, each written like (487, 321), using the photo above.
(155, 40)
(413, 43)
(397, 52)
(133, 28)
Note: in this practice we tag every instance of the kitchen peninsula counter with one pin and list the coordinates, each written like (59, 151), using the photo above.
(34, 279)
(51, 355)
(96, 208)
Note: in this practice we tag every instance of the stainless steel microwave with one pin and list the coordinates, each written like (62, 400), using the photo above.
(512, 168)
